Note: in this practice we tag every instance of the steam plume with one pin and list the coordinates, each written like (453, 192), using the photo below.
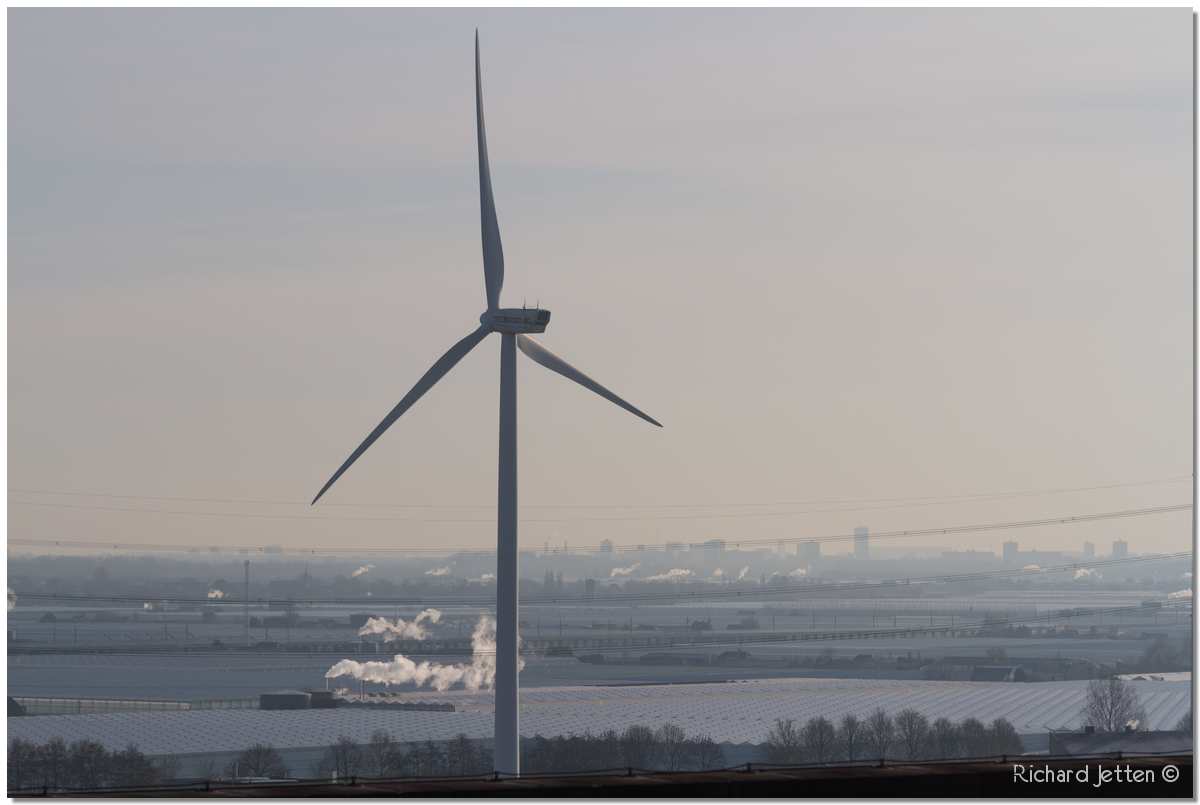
(674, 574)
(742, 573)
(623, 571)
(438, 571)
(798, 573)
(12, 599)
(1180, 594)
(718, 573)
(1087, 573)
(480, 673)
(215, 593)
(1032, 569)
(361, 571)
(401, 629)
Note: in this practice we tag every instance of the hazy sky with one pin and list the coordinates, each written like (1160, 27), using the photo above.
(839, 254)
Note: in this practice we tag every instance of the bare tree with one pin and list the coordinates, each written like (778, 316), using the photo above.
(946, 739)
(974, 737)
(129, 768)
(638, 747)
(706, 753)
(912, 729)
(608, 750)
(87, 765)
(52, 763)
(880, 733)
(22, 761)
(1111, 705)
(672, 746)
(819, 737)
(850, 736)
(461, 756)
(260, 760)
(381, 756)
(345, 758)
(784, 743)
(1004, 738)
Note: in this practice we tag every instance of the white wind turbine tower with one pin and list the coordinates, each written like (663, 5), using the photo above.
(513, 324)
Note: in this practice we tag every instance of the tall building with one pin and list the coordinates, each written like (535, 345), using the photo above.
(809, 551)
(1120, 549)
(1089, 550)
(862, 545)
(1010, 551)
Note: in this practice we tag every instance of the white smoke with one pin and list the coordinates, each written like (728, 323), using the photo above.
(674, 574)
(742, 573)
(147, 605)
(215, 593)
(1031, 569)
(361, 571)
(1180, 594)
(12, 599)
(798, 573)
(718, 573)
(485, 578)
(623, 571)
(1087, 573)
(438, 571)
(401, 629)
(480, 673)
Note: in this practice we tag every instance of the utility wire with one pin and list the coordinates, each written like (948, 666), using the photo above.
(735, 543)
(932, 499)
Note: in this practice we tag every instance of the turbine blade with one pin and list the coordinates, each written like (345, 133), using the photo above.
(493, 252)
(436, 372)
(546, 358)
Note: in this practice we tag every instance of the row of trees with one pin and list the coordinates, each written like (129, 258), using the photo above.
(668, 748)
(383, 756)
(908, 735)
(82, 764)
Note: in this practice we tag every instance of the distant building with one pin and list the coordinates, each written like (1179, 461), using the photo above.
(606, 546)
(809, 551)
(589, 586)
(714, 545)
(1011, 549)
(862, 545)
(1120, 549)
(1089, 550)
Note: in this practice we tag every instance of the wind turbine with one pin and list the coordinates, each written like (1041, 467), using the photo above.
(513, 325)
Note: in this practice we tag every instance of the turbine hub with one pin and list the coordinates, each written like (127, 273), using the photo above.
(516, 320)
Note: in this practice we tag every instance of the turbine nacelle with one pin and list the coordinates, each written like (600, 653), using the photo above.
(515, 320)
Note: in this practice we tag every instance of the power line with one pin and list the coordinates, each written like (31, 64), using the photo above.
(707, 505)
(737, 543)
(616, 598)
